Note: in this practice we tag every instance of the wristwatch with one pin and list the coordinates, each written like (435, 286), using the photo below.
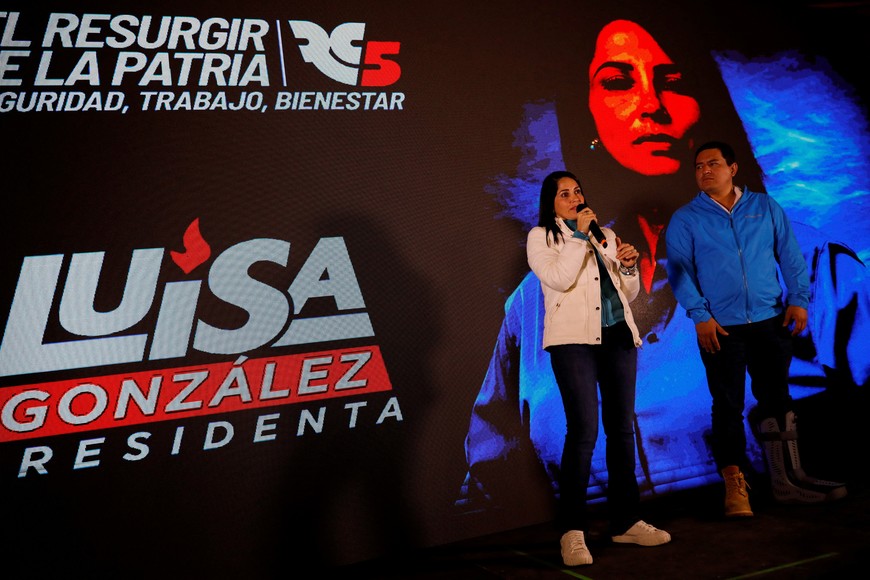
(628, 271)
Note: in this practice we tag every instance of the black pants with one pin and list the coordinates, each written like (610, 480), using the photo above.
(765, 350)
(580, 371)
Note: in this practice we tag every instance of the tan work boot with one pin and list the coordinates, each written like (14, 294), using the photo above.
(736, 498)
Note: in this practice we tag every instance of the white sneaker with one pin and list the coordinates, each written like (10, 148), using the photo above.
(574, 550)
(643, 534)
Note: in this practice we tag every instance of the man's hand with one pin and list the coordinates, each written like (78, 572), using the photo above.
(797, 315)
(708, 332)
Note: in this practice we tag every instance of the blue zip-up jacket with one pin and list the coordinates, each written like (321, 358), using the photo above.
(725, 265)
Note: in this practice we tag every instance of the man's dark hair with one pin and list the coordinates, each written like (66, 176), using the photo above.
(724, 148)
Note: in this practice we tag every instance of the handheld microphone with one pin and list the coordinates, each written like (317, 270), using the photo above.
(594, 229)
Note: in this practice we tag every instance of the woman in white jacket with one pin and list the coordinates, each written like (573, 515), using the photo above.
(588, 277)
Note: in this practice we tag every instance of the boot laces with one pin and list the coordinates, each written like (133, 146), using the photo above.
(737, 482)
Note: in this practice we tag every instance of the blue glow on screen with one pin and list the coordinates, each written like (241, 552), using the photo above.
(812, 140)
(810, 137)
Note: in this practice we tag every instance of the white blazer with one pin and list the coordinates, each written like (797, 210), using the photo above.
(569, 274)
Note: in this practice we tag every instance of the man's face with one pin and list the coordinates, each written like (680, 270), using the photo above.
(636, 98)
(712, 173)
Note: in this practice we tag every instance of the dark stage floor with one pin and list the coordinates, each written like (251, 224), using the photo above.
(816, 541)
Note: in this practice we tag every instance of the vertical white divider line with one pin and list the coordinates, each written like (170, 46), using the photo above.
(281, 53)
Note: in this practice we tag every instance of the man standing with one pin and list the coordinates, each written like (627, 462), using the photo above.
(726, 249)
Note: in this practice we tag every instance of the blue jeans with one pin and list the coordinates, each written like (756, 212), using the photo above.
(580, 370)
(765, 350)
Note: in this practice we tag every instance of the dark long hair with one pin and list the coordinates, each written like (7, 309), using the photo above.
(546, 201)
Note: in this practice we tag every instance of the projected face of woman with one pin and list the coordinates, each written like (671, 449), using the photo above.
(636, 98)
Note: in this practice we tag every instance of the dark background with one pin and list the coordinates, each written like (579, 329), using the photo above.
(406, 191)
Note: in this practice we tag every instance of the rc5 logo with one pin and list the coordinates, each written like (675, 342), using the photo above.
(336, 55)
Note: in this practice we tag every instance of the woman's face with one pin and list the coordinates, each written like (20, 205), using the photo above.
(636, 98)
(568, 197)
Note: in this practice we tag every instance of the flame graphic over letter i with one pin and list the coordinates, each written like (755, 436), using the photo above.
(196, 249)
